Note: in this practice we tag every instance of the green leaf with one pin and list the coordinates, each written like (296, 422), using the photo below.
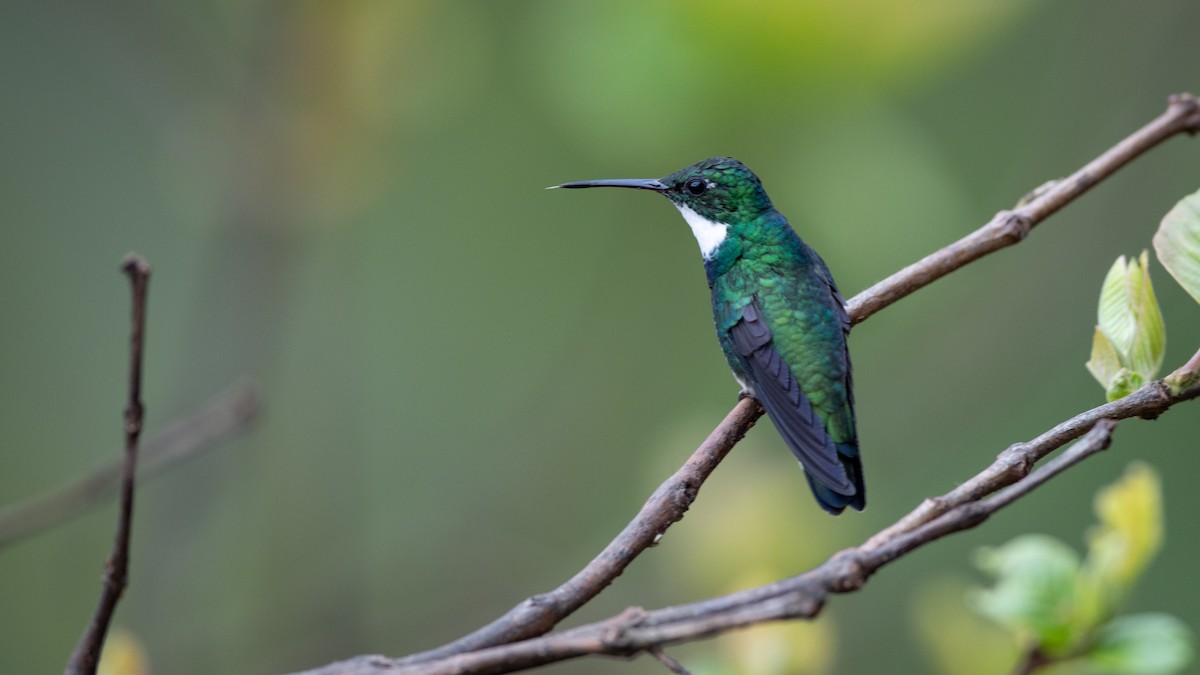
(1130, 320)
(1150, 344)
(1141, 644)
(1177, 243)
(1127, 538)
(1114, 315)
(1105, 363)
(1035, 587)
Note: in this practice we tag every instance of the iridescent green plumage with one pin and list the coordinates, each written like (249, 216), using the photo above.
(779, 317)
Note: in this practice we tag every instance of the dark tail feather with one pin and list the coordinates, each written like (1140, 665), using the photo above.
(833, 502)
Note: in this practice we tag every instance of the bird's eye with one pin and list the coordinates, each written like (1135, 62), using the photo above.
(696, 186)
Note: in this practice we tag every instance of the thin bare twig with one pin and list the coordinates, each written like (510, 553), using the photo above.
(228, 413)
(665, 659)
(86, 656)
(1006, 228)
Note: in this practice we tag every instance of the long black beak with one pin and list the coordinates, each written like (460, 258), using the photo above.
(636, 183)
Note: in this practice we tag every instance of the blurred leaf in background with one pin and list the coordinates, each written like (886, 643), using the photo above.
(123, 654)
(1128, 536)
(1141, 644)
(1065, 611)
(1034, 595)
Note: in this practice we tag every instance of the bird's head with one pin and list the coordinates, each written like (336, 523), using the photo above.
(712, 195)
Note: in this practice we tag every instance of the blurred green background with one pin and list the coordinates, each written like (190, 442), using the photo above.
(471, 384)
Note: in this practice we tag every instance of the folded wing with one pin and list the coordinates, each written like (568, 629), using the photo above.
(777, 389)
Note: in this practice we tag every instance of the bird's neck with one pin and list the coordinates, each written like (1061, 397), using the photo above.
(765, 241)
(710, 234)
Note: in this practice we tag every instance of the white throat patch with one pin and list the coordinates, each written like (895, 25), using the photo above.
(709, 234)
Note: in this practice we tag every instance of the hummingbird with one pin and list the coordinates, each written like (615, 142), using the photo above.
(780, 320)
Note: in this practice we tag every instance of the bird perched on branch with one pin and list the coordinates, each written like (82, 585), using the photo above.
(780, 320)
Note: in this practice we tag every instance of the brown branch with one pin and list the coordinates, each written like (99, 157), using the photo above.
(1017, 459)
(540, 613)
(1006, 228)
(802, 596)
(86, 656)
(1009, 227)
(228, 413)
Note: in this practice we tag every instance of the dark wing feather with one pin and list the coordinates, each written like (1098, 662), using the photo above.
(790, 410)
(843, 316)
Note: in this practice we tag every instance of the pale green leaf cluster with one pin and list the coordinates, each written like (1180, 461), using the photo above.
(1067, 608)
(1130, 339)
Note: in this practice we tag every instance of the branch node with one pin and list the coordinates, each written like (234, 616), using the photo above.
(1018, 462)
(806, 604)
(850, 572)
(1038, 191)
(1016, 225)
(135, 266)
(685, 493)
(1189, 107)
(616, 638)
(538, 613)
(1162, 392)
(975, 513)
(538, 601)
(134, 413)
